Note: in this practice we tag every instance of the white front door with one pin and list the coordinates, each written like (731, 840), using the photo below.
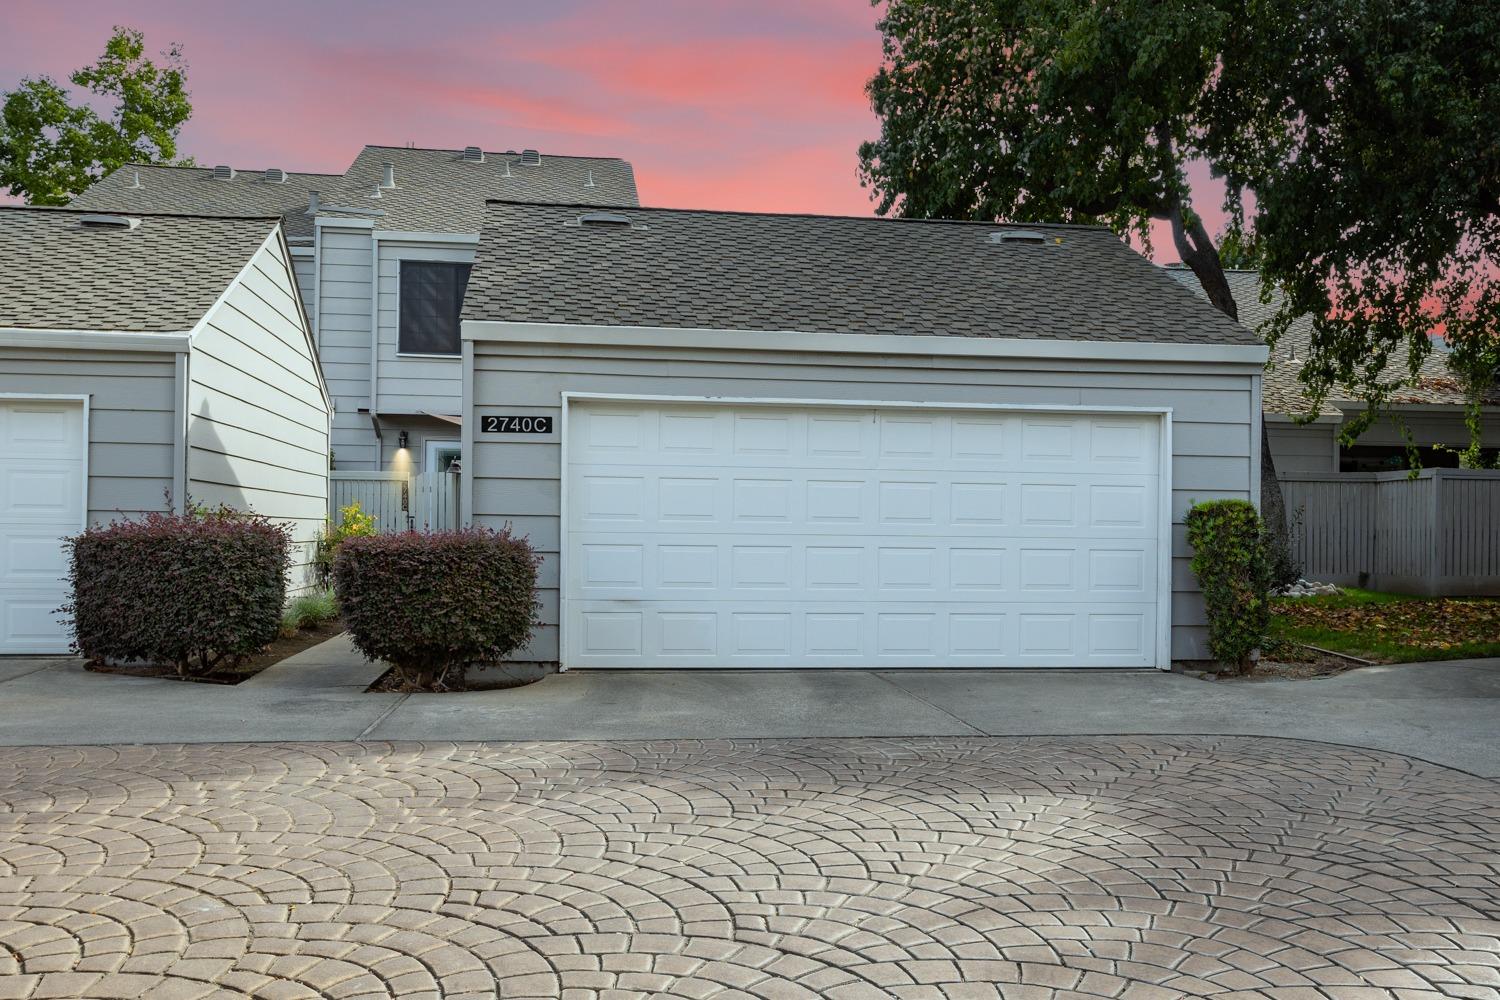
(42, 448)
(767, 536)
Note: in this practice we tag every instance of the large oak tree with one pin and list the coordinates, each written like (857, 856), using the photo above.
(1364, 128)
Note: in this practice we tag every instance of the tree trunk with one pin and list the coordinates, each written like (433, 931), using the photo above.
(1196, 248)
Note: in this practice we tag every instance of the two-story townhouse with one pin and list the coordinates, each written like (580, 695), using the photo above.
(382, 254)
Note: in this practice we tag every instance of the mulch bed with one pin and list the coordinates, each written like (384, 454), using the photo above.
(496, 678)
(245, 669)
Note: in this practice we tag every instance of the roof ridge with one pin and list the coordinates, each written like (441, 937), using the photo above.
(69, 209)
(492, 152)
(237, 170)
(795, 215)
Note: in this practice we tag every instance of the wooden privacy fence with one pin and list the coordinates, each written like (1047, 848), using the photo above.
(397, 501)
(1436, 534)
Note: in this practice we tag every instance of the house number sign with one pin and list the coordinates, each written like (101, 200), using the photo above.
(515, 425)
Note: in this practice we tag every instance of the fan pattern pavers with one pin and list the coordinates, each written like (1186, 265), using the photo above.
(1022, 869)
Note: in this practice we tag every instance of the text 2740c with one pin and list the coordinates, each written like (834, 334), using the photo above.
(515, 425)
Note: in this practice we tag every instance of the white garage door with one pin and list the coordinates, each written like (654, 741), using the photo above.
(759, 536)
(41, 500)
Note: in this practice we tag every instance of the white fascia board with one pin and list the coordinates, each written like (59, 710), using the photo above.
(408, 236)
(335, 222)
(95, 340)
(860, 343)
(1274, 417)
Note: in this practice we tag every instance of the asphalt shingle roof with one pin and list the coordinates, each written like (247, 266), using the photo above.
(437, 190)
(1282, 392)
(160, 277)
(739, 271)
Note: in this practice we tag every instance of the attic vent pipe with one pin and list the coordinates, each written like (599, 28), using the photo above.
(590, 182)
(473, 154)
(223, 172)
(135, 179)
(531, 158)
(275, 176)
(96, 220)
(388, 179)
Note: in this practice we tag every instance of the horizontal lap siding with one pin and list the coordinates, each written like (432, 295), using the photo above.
(345, 288)
(1302, 448)
(258, 425)
(132, 398)
(517, 480)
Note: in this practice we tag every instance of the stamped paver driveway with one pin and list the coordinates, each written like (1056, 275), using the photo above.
(1014, 868)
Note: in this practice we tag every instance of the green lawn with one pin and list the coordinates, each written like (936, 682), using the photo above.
(1391, 628)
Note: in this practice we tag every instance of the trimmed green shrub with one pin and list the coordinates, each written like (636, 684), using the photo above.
(1229, 559)
(353, 523)
(194, 590)
(432, 603)
(307, 611)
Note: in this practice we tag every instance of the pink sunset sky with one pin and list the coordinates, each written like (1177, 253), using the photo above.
(733, 104)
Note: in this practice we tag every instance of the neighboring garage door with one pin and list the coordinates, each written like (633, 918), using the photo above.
(767, 536)
(42, 447)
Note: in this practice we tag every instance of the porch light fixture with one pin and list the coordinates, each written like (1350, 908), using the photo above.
(401, 440)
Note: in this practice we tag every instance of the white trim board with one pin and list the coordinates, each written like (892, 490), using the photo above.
(858, 343)
(94, 340)
(1163, 658)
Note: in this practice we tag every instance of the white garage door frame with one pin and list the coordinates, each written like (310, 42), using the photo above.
(1163, 637)
(82, 399)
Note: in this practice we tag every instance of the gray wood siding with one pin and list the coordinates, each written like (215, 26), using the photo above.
(345, 291)
(257, 423)
(517, 481)
(1302, 448)
(131, 419)
(304, 266)
(414, 384)
(1427, 427)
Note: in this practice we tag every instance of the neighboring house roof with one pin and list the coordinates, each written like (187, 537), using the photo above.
(56, 273)
(195, 191)
(815, 274)
(1281, 390)
(437, 190)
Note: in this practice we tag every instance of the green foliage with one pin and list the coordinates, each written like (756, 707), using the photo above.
(1364, 128)
(52, 148)
(353, 523)
(308, 611)
(178, 588)
(1392, 628)
(433, 603)
(1229, 559)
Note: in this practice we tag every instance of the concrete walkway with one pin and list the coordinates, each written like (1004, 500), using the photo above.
(1448, 713)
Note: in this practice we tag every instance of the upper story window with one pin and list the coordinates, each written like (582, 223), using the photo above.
(432, 294)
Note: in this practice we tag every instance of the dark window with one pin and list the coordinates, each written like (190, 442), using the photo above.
(431, 296)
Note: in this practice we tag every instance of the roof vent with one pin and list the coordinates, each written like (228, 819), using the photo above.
(507, 170)
(312, 203)
(388, 175)
(473, 154)
(531, 158)
(223, 172)
(603, 219)
(95, 220)
(1017, 236)
(135, 179)
(275, 176)
(590, 182)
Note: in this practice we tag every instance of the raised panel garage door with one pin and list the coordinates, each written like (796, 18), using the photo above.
(767, 536)
(41, 502)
